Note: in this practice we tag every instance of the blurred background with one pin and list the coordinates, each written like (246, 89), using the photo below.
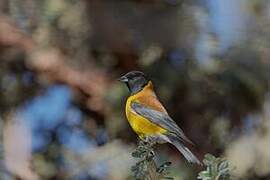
(62, 110)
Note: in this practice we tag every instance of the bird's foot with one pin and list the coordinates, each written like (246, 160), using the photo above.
(148, 141)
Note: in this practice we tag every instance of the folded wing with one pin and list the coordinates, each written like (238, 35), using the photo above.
(159, 118)
(174, 135)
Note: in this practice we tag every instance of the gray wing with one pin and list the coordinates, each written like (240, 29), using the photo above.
(160, 119)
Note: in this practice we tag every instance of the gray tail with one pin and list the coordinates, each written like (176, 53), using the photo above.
(190, 157)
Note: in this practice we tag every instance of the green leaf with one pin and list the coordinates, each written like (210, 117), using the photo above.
(216, 168)
(137, 154)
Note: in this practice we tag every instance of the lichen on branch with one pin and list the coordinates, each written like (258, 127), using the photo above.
(146, 167)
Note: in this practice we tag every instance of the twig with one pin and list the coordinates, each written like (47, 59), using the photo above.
(146, 168)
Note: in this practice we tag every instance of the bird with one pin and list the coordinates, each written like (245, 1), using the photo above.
(148, 117)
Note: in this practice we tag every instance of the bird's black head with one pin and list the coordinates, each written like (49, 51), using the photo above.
(135, 81)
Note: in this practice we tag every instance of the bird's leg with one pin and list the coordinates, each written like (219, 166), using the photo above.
(148, 140)
(145, 140)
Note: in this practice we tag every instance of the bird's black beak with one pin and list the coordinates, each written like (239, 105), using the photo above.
(123, 79)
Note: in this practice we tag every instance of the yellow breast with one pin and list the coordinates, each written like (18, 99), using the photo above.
(139, 124)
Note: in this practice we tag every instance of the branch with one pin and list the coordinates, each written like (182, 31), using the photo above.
(146, 168)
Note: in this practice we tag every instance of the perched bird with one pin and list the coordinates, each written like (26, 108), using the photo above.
(149, 119)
